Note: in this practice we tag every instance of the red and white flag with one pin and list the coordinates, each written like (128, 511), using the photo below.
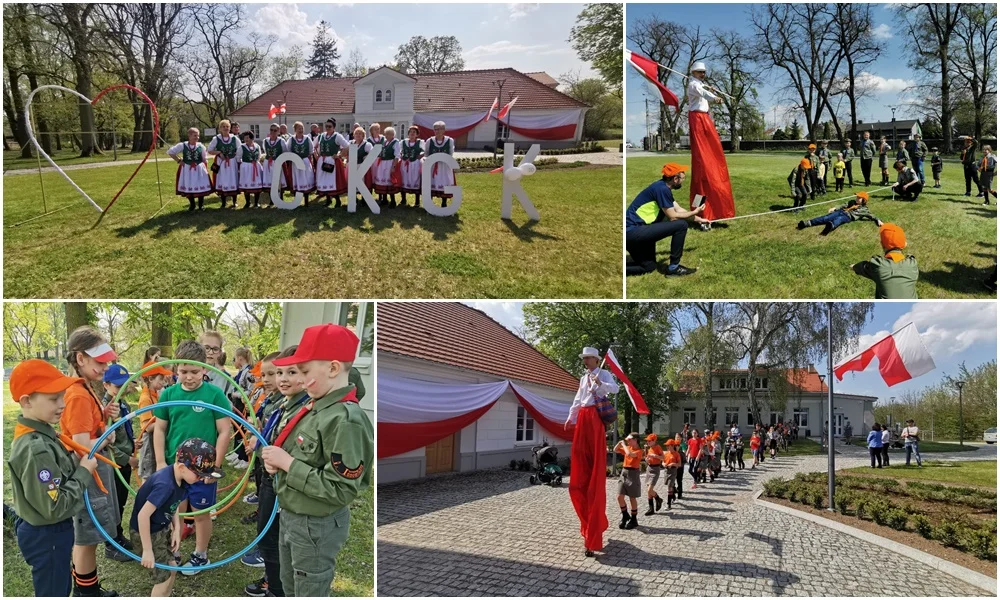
(506, 109)
(282, 109)
(489, 114)
(901, 357)
(273, 112)
(648, 68)
(611, 361)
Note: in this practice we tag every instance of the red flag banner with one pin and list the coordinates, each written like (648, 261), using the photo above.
(901, 357)
(506, 109)
(611, 362)
(273, 112)
(648, 68)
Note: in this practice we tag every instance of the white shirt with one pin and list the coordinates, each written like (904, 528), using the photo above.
(911, 431)
(587, 396)
(886, 436)
(699, 96)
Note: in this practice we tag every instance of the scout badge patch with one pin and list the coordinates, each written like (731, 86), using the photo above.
(337, 462)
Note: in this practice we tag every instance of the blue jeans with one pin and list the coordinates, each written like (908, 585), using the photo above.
(911, 447)
(918, 166)
(48, 550)
(836, 218)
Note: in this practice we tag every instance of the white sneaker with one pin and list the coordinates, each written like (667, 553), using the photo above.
(240, 464)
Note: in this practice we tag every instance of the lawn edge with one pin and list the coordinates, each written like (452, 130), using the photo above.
(957, 571)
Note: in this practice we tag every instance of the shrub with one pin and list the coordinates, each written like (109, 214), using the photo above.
(879, 510)
(897, 518)
(946, 532)
(513, 464)
(818, 499)
(775, 488)
(923, 526)
(842, 500)
(981, 543)
(861, 506)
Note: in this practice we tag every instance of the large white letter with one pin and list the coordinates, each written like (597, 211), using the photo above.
(512, 185)
(455, 190)
(356, 178)
(276, 198)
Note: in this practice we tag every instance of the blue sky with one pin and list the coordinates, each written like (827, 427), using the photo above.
(888, 73)
(952, 332)
(527, 37)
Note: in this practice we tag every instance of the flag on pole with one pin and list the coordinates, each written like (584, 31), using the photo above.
(283, 108)
(648, 68)
(273, 112)
(901, 357)
(616, 369)
(489, 114)
(506, 109)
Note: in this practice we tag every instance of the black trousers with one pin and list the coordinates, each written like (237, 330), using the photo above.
(850, 173)
(971, 176)
(885, 455)
(739, 458)
(122, 492)
(48, 550)
(640, 243)
(911, 193)
(875, 454)
(268, 544)
(680, 482)
(866, 170)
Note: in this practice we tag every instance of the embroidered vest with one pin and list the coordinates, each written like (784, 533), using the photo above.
(433, 148)
(389, 150)
(409, 152)
(328, 145)
(250, 155)
(192, 156)
(300, 148)
(272, 151)
(362, 153)
(227, 149)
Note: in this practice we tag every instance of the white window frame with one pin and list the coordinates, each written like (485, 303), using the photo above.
(387, 97)
(524, 427)
(800, 415)
(776, 416)
(731, 413)
(378, 96)
(363, 326)
(689, 415)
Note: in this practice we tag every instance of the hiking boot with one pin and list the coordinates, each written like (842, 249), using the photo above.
(588, 553)
(257, 589)
(624, 521)
(632, 523)
(827, 229)
(650, 511)
(659, 502)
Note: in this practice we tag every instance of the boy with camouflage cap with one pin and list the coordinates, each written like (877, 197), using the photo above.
(324, 454)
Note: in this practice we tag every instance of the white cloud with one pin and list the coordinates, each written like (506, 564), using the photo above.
(503, 53)
(946, 328)
(883, 84)
(290, 25)
(521, 9)
(882, 32)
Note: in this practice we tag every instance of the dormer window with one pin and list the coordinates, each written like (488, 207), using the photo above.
(378, 96)
(388, 95)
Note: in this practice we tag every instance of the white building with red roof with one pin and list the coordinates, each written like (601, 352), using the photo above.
(461, 99)
(452, 345)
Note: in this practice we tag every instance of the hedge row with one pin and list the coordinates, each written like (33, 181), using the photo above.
(584, 148)
(488, 162)
(977, 498)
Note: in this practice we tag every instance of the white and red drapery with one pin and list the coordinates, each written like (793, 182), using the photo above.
(456, 125)
(558, 126)
(414, 413)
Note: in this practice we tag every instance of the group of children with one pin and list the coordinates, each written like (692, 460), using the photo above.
(318, 459)
(241, 165)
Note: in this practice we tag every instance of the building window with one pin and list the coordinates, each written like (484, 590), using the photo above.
(776, 417)
(388, 95)
(359, 318)
(732, 415)
(256, 131)
(378, 95)
(760, 383)
(750, 417)
(801, 418)
(713, 417)
(525, 426)
(690, 416)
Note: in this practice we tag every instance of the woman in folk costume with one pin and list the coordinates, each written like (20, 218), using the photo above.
(192, 169)
(375, 137)
(225, 167)
(273, 147)
(303, 180)
(709, 172)
(249, 157)
(364, 148)
(442, 174)
(331, 174)
(411, 152)
(387, 176)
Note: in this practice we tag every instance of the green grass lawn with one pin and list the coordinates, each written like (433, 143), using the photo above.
(355, 563)
(574, 251)
(954, 239)
(925, 447)
(12, 158)
(802, 447)
(981, 473)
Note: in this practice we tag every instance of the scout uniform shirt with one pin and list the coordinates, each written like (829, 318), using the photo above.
(893, 280)
(867, 149)
(47, 483)
(654, 455)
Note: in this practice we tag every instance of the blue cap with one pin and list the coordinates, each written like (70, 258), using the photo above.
(116, 374)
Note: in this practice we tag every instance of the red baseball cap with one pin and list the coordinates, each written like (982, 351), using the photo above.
(323, 342)
(37, 376)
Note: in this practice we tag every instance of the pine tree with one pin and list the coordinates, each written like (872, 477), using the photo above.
(323, 62)
(795, 131)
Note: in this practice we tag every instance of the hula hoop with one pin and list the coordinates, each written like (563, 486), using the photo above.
(246, 400)
(122, 549)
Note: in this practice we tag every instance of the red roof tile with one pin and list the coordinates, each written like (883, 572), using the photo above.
(461, 336)
(461, 90)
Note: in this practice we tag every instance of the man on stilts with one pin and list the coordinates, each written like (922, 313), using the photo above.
(709, 172)
(587, 484)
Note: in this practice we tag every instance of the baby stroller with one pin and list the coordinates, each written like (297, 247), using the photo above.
(546, 469)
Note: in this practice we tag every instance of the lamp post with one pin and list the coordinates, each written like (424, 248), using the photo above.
(961, 423)
(892, 402)
(893, 109)
(830, 466)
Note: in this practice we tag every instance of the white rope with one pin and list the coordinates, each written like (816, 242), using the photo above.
(772, 212)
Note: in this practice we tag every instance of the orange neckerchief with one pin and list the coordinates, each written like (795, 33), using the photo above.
(72, 445)
(895, 255)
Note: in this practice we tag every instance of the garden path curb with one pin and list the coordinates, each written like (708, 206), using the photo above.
(959, 572)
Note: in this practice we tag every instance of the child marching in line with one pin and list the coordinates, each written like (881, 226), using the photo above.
(936, 165)
(153, 381)
(628, 482)
(883, 159)
(250, 157)
(273, 146)
(411, 153)
(303, 180)
(192, 169)
(839, 167)
(693, 452)
(987, 171)
(324, 454)
(364, 147)
(225, 167)
(331, 175)
(654, 465)
(442, 175)
(680, 448)
(755, 449)
(672, 466)
(46, 481)
(387, 175)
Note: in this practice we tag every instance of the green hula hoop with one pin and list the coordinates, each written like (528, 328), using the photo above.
(246, 402)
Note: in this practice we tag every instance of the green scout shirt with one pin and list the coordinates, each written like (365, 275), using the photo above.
(186, 422)
(920, 149)
(893, 280)
(48, 484)
(859, 213)
(848, 154)
(123, 448)
(333, 447)
(867, 149)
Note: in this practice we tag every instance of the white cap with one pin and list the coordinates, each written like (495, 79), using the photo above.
(698, 66)
(592, 352)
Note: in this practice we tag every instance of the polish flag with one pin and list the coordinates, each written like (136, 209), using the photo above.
(282, 109)
(506, 109)
(611, 361)
(901, 357)
(273, 112)
(648, 68)
(489, 114)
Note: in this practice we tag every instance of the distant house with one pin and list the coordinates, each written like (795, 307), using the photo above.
(541, 114)
(795, 396)
(451, 343)
(902, 129)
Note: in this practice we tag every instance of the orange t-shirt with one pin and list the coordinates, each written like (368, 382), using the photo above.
(83, 413)
(146, 398)
(694, 444)
(673, 458)
(654, 455)
(754, 442)
(633, 456)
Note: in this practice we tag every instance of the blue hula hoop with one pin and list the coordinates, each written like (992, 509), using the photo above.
(122, 549)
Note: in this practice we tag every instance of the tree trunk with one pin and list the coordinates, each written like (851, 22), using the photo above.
(945, 97)
(161, 333)
(76, 316)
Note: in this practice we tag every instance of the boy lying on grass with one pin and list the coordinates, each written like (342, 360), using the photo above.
(854, 210)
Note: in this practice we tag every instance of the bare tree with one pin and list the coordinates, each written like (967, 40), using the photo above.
(974, 60)
(853, 24)
(738, 76)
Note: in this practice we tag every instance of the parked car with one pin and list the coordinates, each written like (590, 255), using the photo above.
(990, 435)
